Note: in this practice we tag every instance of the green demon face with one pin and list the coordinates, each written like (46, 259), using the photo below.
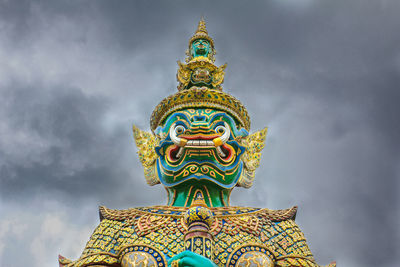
(199, 144)
(200, 47)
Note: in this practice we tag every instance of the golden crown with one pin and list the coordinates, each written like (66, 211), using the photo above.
(201, 33)
(193, 96)
(200, 98)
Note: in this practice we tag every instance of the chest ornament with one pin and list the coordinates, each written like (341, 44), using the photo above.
(141, 255)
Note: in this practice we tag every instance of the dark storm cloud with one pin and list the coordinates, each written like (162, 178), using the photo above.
(342, 63)
(323, 75)
(69, 151)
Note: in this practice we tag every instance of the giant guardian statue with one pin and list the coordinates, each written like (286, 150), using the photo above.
(200, 148)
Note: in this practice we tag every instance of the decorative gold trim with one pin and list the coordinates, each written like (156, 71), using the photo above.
(201, 33)
(254, 144)
(174, 197)
(73, 263)
(208, 196)
(188, 196)
(294, 256)
(185, 72)
(146, 143)
(200, 97)
(122, 251)
(273, 215)
(272, 253)
(310, 260)
(221, 193)
(175, 263)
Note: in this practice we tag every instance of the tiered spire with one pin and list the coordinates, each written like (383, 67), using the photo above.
(200, 83)
(200, 71)
(201, 33)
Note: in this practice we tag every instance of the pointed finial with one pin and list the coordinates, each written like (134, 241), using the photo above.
(201, 33)
(202, 26)
(198, 200)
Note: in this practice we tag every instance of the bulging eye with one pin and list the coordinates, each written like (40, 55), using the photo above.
(220, 129)
(179, 129)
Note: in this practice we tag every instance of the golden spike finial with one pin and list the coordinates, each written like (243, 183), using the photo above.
(201, 33)
(198, 200)
(202, 26)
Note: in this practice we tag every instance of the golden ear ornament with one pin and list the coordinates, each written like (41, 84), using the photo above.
(146, 143)
(254, 144)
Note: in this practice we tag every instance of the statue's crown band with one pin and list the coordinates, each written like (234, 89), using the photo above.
(200, 97)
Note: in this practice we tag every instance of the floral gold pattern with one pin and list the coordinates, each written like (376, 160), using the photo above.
(200, 97)
(273, 233)
(251, 158)
(146, 143)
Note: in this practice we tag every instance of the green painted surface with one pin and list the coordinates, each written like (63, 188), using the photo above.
(200, 47)
(199, 168)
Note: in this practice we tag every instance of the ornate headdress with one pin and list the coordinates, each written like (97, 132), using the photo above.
(201, 33)
(200, 86)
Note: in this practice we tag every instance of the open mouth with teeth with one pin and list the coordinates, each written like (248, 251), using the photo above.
(196, 146)
(200, 141)
(198, 151)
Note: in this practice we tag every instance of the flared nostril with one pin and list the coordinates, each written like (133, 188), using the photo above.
(199, 118)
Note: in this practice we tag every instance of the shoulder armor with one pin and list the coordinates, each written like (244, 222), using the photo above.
(272, 215)
(279, 215)
(116, 215)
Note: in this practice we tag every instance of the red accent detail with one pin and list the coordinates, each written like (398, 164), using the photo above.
(60, 258)
(227, 148)
(200, 137)
(172, 150)
(175, 148)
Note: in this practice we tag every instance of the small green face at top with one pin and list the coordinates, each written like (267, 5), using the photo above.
(200, 47)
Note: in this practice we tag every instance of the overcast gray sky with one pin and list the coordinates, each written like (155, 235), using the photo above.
(324, 76)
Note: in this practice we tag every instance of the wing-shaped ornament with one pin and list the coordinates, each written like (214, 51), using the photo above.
(183, 74)
(218, 76)
(146, 143)
(254, 144)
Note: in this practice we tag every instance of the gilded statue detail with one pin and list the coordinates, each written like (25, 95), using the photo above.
(200, 148)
